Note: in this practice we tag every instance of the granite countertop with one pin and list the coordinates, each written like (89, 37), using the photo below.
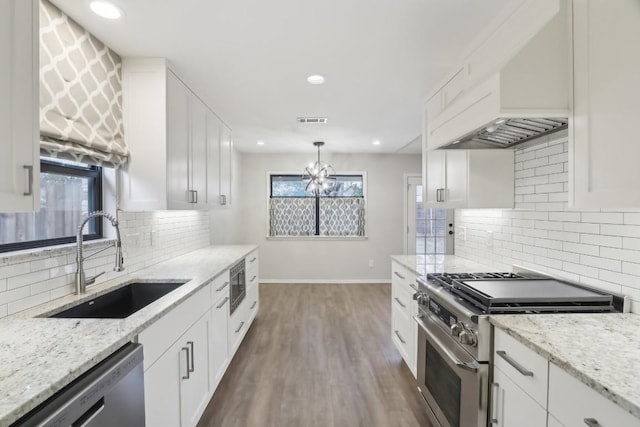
(601, 350)
(423, 264)
(39, 356)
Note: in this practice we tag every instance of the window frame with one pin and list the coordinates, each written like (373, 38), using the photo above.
(95, 203)
(362, 174)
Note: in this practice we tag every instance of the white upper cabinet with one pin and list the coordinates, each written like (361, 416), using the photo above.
(226, 151)
(604, 148)
(469, 179)
(19, 106)
(174, 139)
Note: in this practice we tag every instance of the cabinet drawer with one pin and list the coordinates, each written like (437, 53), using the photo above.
(403, 278)
(571, 402)
(522, 365)
(252, 260)
(401, 334)
(220, 287)
(252, 278)
(401, 300)
(253, 302)
(157, 338)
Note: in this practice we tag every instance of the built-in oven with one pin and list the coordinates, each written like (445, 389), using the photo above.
(451, 381)
(237, 290)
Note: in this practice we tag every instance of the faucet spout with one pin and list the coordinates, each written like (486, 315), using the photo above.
(80, 278)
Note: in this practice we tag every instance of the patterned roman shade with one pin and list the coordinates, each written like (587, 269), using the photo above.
(80, 93)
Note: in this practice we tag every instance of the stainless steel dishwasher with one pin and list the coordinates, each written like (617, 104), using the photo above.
(110, 394)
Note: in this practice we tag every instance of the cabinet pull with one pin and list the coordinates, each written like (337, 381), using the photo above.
(399, 275)
(222, 287)
(252, 279)
(253, 259)
(195, 196)
(518, 367)
(253, 305)
(400, 337)
(30, 185)
(495, 388)
(400, 302)
(592, 422)
(186, 353)
(224, 301)
(438, 195)
(222, 199)
(193, 366)
(414, 287)
(240, 327)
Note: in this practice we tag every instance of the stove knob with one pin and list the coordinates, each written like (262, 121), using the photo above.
(456, 329)
(468, 337)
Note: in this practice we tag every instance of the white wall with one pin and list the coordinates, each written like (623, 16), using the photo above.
(600, 248)
(29, 278)
(318, 260)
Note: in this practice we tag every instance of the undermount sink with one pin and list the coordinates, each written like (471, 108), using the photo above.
(121, 302)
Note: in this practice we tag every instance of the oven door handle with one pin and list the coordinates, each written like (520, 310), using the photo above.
(441, 346)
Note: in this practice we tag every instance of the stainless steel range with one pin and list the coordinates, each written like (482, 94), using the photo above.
(454, 334)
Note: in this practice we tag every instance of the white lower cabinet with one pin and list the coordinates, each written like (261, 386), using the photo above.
(574, 404)
(511, 406)
(404, 330)
(218, 345)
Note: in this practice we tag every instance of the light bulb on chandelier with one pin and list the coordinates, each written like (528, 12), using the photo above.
(319, 175)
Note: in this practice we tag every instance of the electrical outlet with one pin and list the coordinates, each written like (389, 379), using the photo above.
(371, 263)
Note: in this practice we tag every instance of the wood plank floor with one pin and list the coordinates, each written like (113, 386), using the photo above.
(318, 355)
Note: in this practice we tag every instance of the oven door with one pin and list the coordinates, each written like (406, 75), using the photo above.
(453, 384)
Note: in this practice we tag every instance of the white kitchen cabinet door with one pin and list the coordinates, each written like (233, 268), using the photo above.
(162, 388)
(434, 177)
(604, 149)
(457, 183)
(226, 152)
(178, 155)
(198, 154)
(19, 120)
(194, 381)
(214, 125)
(511, 406)
(218, 343)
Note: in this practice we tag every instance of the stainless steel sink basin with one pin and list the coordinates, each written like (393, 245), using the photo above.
(121, 302)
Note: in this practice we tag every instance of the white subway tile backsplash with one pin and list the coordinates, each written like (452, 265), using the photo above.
(27, 280)
(597, 247)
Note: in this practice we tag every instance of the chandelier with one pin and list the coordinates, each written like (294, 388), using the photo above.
(319, 175)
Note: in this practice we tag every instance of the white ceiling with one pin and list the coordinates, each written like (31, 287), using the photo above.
(249, 60)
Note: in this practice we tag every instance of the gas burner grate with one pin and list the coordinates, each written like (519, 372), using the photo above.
(447, 279)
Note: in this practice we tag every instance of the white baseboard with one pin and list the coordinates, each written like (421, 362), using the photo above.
(331, 281)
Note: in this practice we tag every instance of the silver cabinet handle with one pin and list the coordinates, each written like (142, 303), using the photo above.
(222, 287)
(240, 327)
(253, 278)
(438, 195)
(195, 193)
(193, 196)
(495, 388)
(222, 199)
(400, 337)
(253, 259)
(592, 422)
(253, 305)
(518, 367)
(186, 353)
(400, 302)
(224, 301)
(30, 185)
(414, 287)
(399, 275)
(193, 366)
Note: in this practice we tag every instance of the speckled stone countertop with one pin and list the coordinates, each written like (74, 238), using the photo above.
(39, 356)
(423, 264)
(601, 350)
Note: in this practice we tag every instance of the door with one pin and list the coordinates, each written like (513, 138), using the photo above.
(226, 150)
(434, 179)
(198, 153)
(162, 388)
(603, 152)
(213, 158)
(429, 230)
(194, 378)
(178, 127)
(19, 124)
(511, 406)
(219, 341)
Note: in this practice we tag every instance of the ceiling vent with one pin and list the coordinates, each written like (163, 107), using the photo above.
(312, 120)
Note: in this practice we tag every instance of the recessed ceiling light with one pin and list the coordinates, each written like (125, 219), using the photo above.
(316, 79)
(260, 142)
(376, 142)
(105, 9)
